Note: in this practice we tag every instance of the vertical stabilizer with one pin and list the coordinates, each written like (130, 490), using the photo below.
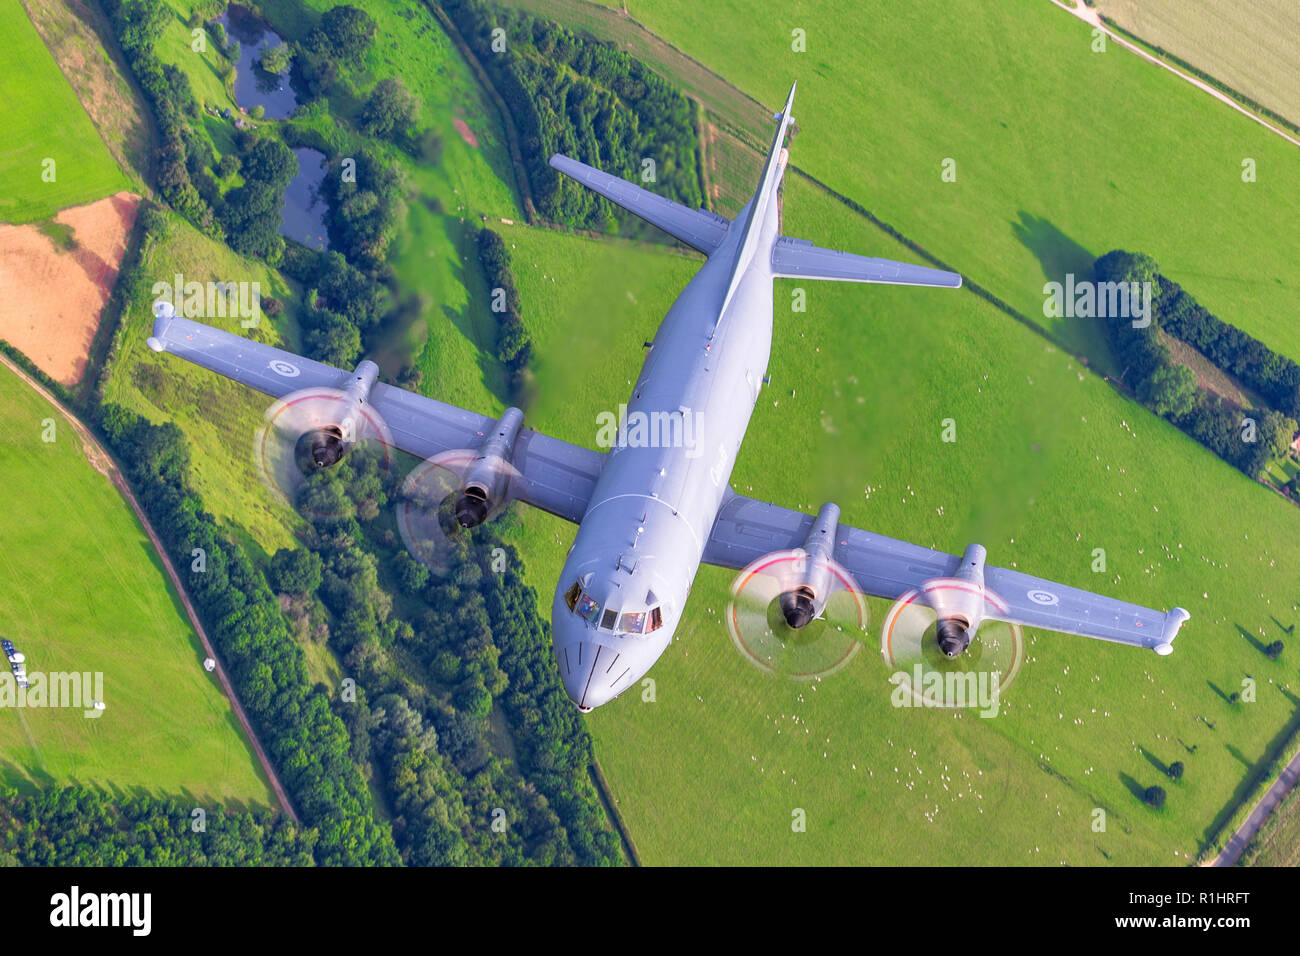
(765, 195)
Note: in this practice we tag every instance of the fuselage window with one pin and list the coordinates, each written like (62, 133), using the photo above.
(609, 618)
(634, 622)
(571, 595)
(656, 619)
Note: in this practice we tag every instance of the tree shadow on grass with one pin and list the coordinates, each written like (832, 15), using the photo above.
(1155, 761)
(1133, 786)
(1060, 256)
(1254, 642)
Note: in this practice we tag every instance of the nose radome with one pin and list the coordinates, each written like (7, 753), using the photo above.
(592, 673)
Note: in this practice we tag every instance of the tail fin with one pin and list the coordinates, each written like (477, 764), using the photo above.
(763, 197)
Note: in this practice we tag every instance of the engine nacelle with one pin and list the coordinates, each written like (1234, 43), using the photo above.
(958, 602)
(486, 481)
(329, 443)
(808, 596)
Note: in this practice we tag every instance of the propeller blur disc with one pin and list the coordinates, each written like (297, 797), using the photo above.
(283, 445)
(426, 516)
(758, 627)
(976, 678)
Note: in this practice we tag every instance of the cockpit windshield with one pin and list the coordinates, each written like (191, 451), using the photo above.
(629, 622)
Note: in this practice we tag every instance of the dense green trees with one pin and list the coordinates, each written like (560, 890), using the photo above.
(251, 213)
(1246, 437)
(76, 826)
(138, 24)
(389, 111)
(514, 345)
(569, 93)
(306, 741)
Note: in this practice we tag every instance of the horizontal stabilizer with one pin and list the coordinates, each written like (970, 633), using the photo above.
(800, 259)
(697, 228)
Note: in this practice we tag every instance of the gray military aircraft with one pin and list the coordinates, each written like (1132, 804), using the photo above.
(649, 514)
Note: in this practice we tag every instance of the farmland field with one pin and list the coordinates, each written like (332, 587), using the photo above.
(1251, 45)
(81, 589)
(1050, 464)
(1061, 154)
(43, 122)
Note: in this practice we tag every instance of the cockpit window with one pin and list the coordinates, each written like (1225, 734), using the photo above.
(588, 608)
(630, 622)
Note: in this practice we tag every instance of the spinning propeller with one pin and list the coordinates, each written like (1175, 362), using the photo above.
(798, 613)
(314, 428)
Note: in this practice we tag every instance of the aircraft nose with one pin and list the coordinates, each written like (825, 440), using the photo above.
(594, 673)
(589, 672)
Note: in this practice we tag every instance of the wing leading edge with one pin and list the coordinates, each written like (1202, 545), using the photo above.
(886, 567)
(554, 476)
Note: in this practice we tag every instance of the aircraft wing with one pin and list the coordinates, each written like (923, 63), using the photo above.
(701, 230)
(886, 567)
(800, 259)
(554, 475)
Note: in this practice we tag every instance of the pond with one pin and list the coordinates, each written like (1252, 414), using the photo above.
(253, 85)
(303, 219)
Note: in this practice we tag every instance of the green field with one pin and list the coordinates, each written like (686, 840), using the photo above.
(218, 416)
(82, 589)
(43, 121)
(1061, 153)
(1049, 456)
(1251, 45)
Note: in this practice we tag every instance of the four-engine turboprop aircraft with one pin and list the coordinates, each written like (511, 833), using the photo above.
(648, 516)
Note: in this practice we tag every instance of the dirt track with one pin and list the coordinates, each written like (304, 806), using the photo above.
(51, 298)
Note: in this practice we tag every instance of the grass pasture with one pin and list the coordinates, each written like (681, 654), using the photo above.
(219, 417)
(1061, 153)
(44, 121)
(1050, 463)
(1252, 46)
(81, 589)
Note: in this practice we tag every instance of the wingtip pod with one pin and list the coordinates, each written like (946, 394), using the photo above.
(1174, 621)
(163, 313)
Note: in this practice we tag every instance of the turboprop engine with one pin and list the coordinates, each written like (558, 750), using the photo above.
(485, 479)
(810, 581)
(799, 613)
(476, 481)
(340, 411)
(958, 602)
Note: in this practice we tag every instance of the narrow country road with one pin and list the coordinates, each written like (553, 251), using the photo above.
(1093, 18)
(1238, 842)
(99, 457)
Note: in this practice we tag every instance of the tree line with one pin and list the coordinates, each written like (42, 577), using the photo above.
(472, 631)
(65, 825)
(570, 93)
(1246, 438)
(514, 346)
(305, 740)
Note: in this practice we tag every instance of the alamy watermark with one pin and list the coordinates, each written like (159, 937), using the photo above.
(1098, 300)
(212, 300)
(40, 690)
(642, 429)
(981, 690)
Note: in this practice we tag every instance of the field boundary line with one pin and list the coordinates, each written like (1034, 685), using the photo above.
(109, 467)
(612, 811)
(1094, 19)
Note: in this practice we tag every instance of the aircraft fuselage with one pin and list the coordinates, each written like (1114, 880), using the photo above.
(643, 534)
